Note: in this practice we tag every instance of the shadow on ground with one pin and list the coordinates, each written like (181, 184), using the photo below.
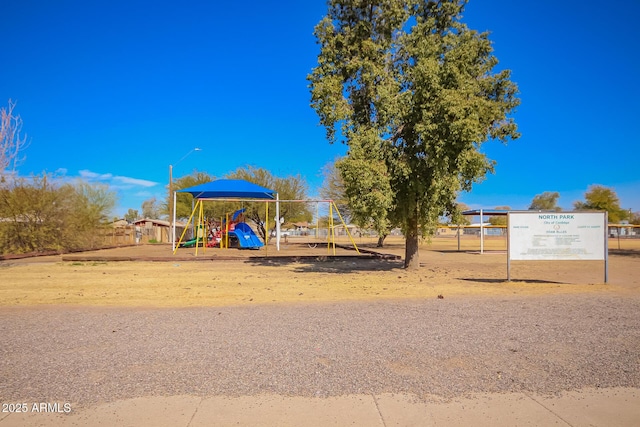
(625, 252)
(330, 264)
(537, 281)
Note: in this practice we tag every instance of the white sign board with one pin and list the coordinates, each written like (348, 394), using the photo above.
(557, 236)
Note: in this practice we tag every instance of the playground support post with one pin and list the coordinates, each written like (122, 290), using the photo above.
(266, 228)
(172, 206)
(329, 229)
(606, 246)
(317, 220)
(277, 222)
(185, 229)
(198, 229)
(481, 233)
(332, 231)
(226, 231)
(173, 225)
(221, 240)
(345, 228)
(172, 209)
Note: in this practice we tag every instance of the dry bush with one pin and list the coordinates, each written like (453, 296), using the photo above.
(41, 215)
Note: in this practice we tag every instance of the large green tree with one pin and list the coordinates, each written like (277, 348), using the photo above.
(547, 201)
(601, 198)
(413, 93)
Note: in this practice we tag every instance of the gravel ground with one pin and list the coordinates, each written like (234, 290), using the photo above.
(438, 348)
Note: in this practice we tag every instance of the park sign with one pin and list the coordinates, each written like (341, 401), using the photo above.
(557, 236)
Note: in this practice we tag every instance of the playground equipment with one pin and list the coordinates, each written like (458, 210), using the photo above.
(237, 232)
(193, 242)
(240, 190)
(233, 232)
(247, 239)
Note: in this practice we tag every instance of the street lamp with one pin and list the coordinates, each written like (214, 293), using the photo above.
(172, 206)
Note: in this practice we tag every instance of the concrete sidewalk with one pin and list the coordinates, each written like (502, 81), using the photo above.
(601, 407)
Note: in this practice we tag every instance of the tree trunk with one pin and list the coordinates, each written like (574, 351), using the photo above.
(255, 217)
(411, 255)
(381, 241)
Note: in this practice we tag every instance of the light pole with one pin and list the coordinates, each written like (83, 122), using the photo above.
(172, 206)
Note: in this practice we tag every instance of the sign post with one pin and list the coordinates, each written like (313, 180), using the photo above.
(557, 236)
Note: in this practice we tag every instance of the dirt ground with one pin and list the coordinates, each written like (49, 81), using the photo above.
(152, 276)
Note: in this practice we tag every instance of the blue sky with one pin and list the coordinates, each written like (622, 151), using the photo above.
(115, 92)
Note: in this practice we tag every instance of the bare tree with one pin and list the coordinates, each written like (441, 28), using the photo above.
(333, 188)
(151, 209)
(11, 139)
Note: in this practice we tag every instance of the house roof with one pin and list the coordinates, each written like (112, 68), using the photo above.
(159, 222)
(229, 188)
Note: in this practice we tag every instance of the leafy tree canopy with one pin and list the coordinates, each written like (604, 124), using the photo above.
(288, 188)
(131, 215)
(547, 201)
(184, 200)
(413, 93)
(499, 219)
(601, 198)
(361, 204)
(455, 216)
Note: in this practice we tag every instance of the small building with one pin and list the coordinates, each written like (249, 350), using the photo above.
(157, 230)
(448, 231)
(301, 228)
(120, 223)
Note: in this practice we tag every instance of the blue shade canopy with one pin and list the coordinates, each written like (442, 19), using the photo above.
(229, 188)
